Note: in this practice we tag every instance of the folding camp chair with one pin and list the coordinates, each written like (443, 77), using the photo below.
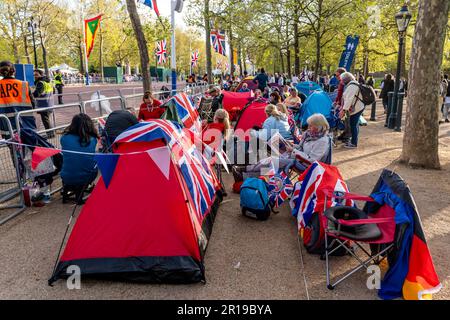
(205, 109)
(296, 170)
(349, 228)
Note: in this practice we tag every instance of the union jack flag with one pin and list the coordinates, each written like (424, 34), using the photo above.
(187, 112)
(279, 188)
(309, 197)
(194, 58)
(161, 51)
(218, 41)
(152, 4)
(196, 172)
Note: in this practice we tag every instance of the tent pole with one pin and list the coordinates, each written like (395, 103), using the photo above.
(80, 197)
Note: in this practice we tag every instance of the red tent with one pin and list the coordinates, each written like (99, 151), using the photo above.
(153, 221)
(253, 115)
(234, 102)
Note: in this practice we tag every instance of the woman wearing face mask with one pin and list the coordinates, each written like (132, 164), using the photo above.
(314, 146)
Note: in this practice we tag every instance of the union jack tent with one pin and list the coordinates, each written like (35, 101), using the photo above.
(218, 41)
(152, 223)
(161, 51)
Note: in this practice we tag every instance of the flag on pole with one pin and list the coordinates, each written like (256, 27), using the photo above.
(152, 4)
(90, 29)
(161, 51)
(194, 58)
(218, 41)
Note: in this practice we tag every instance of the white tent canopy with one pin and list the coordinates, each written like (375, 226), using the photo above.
(64, 68)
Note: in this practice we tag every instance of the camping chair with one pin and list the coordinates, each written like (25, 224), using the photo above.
(297, 169)
(205, 109)
(349, 228)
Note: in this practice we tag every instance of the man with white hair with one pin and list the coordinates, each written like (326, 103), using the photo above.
(352, 107)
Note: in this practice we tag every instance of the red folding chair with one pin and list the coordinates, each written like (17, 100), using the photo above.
(350, 228)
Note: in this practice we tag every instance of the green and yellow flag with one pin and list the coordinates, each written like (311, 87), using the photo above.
(90, 30)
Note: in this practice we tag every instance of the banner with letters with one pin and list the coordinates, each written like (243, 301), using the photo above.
(348, 55)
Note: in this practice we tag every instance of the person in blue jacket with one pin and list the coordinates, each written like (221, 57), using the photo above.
(79, 170)
(275, 122)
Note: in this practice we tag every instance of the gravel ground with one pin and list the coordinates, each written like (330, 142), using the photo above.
(267, 253)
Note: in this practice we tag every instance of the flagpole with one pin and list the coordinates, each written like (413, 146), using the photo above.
(84, 45)
(173, 55)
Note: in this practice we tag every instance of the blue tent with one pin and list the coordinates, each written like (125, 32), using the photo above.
(317, 102)
(308, 87)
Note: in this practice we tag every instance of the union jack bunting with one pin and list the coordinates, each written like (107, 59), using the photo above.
(194, 58)
(161, 51)
(218, 41)
(279, 188)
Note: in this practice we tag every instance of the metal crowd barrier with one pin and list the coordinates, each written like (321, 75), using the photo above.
(101, 108)
(10, 182)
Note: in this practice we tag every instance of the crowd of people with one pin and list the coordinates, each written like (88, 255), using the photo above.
(283, 101)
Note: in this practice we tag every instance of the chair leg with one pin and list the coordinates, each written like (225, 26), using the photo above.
(363, 264)
(329, 286)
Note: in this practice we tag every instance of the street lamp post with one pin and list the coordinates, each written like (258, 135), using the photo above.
(31, 28)
(403, 18)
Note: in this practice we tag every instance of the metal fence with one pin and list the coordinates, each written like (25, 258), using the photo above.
(10, 183)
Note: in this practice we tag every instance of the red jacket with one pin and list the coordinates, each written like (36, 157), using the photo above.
(340, 93)
(210, 138)
(151, 112)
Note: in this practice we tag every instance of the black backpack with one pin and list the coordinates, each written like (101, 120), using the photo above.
(367, 93)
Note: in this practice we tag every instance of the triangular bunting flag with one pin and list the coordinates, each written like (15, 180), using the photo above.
(161, 156)
(107, 164)
(40, 154)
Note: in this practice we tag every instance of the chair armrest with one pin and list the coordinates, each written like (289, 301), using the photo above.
(348, 196)
(363, 221)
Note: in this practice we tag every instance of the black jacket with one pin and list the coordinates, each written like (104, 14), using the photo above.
(119, 121)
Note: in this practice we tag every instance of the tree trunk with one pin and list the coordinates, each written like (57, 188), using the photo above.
(232, 67)
(240, 60)
(421, 139)
(296, 49)
(208, 42)
(318, 54)
(283, 69)
(366, 61)
(244, 57)
(44, 55)
(142, 44)
(25, 47)
(288, 59)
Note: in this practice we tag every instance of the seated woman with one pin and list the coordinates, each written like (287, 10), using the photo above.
(78, 170)
(293, 100)
(150, 108)
(275, 122)
(218, 130)
(314, 146)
